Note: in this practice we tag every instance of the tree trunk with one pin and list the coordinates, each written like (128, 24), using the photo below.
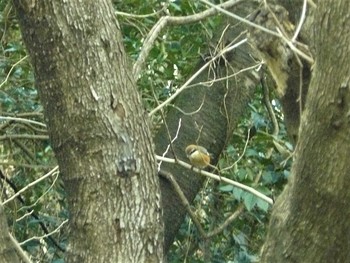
(310, 221)
(211, 125)
(7, 249)
(291, 74)
(98, 129)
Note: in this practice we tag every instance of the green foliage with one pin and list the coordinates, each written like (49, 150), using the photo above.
(24, 157)
(176, 51)
(259, 166)
(171, 61)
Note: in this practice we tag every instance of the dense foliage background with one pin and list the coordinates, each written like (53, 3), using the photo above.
(258, 156)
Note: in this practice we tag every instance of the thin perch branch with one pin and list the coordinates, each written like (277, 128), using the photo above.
(218, 178)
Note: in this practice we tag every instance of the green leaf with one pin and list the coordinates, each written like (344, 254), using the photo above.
(241, 174)
(226, 188)
(267, 177)
(286, 173)
(175, 6)
(230, 150)
(263, 205)
(237, 193)
(252, 153)
(249, 201)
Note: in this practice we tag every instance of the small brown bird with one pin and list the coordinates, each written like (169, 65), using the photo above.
(198, 156)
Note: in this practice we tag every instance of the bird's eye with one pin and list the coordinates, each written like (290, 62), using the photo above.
(193, 150)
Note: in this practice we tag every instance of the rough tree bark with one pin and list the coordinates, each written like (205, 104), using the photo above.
(212, 124)
(8, 252)
(310, 221)
(98, 130)
(76, 139)
(290, 73)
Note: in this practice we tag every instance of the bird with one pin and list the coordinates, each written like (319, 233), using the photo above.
(199, 156)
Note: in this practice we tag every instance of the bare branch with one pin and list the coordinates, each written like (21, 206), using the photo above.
(11, 69)
(185, 85)
(20, 251)
(184, 201)
(120, 13)
(22, 120)
(218, 178)
(24, 136)
(301, 22)
(170, 144)
(269, 108)
(46, 235)
(171, 20)
(274, 33)
(53, 171)
(240, 158)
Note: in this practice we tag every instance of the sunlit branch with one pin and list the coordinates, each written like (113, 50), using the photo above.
(239, 159)
(171, 20)
(46, 235)
(11, 69)
(42, 195)
(195, 75)
(24, 136)
(169, 145)
(19, 250)
(218, 178)
(120, 13)
(22, 120)
(273, 33)
(301, 22)
(54, 170)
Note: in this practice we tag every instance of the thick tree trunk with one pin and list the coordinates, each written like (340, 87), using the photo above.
(310, 221)
(211, 125)
(7, 249)
(98, 129)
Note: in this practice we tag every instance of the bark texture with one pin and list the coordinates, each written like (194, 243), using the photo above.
(98, 129)
(8, 252)
(310, 221)
(291, 74)
(216, 110)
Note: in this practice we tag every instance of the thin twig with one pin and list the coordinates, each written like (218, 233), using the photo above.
(11, 69)
(54, 170)
(120, 13)
(170, 144)
(170, 20)
(32, 166)
(167, 130)
(195, 75)
(26, 207)
(30, 211)
(228, 221)
(22, 120)
(267, 102)
(216, 177)
(24, 136)
(20, 251)
(184, 201)
(309, 59)
(239, 159)
(46, 235)
(274, 33)
(301, 21)
(246, 21)
(211, 82)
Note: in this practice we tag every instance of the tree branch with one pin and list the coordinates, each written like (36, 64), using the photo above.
(218, 178)
(171, 20)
